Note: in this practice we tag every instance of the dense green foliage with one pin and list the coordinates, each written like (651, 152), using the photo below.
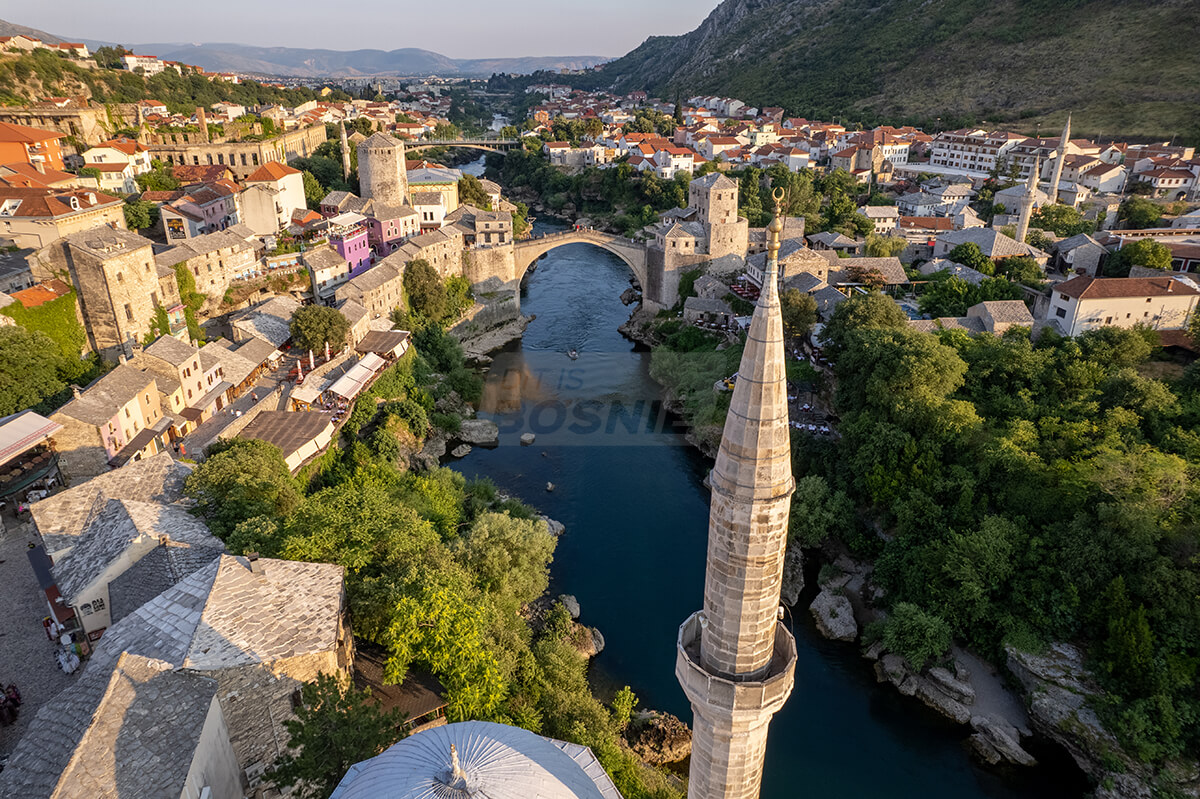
(314, 326)
(470, 192)
(1017, 484)
(946, 295)
(1144, 252)
(437, 572)
(192, 300)
(335, 727)
(140, 214)
(799, 311)
(1139, 213)
(180, 93)
(30, 369)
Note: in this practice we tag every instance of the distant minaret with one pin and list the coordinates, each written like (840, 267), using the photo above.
(1027, 200)
(734, 659)
(1058, 162)
(345, 152)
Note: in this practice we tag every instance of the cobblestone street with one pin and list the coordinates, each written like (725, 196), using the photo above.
(26, 656)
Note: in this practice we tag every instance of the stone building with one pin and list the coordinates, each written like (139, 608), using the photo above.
(380, 289)
(258, 628)
(735, 659)
(382, 170)
(32, 216)
(116, 419)
(119, 285)
(273, 192)
(214, 259)
(242, 157)
(90, 122)
(190, 385)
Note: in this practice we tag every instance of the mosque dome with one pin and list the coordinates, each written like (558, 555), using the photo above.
(478, 760)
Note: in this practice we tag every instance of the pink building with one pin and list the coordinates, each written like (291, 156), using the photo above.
(351, 242)
(389, 227)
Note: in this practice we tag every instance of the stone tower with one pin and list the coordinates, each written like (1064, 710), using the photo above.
(345, 152)
(735, 659)
(1027, 200)
(715, 198)
(1058, 162)
(382, 172)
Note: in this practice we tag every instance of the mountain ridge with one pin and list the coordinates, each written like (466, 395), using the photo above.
(1027, 61)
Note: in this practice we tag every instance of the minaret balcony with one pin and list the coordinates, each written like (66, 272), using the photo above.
(732, 698)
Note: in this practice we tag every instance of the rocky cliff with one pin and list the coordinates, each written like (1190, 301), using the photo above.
(1015, 61)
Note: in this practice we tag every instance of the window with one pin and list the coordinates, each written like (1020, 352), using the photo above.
(126, 413)
(120, 277)
(1061, 313)
(129, 312)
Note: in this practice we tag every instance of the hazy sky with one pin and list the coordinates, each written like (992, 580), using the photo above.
(460, 29)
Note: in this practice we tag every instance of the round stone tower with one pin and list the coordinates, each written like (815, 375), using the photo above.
(382, 174)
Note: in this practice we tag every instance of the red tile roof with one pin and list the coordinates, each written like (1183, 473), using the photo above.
(20, 133)
(41, 202)
(1101, 288)
(271, 171)
(34, 296)
(124, 145)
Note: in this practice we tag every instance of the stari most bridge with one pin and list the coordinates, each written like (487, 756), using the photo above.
(490, 145)
(658, 290)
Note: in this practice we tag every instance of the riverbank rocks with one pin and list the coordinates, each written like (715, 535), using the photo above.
(793, 575)
(996, 741)
(1060, 690)
(629, 296)
(527, 439)
(461, 451)
(479, 432)
(571, 604)
(429, 458)
(556, 528)
(834, 615)
(452, 403)
(659, 738)
(588, 641)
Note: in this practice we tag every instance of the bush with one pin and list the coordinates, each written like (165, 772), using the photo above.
(915, 635)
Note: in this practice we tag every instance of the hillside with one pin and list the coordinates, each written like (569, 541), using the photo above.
(13, 29)
(302, 62)
(1116, 64)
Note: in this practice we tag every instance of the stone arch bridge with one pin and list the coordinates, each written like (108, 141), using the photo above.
(660, 285)
(487, 145)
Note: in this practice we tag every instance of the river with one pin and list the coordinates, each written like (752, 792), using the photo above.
(636, 515)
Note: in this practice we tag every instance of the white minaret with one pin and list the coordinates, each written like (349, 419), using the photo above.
(1027, 200)
(1058, 162)
(345, 151)
(735, 659)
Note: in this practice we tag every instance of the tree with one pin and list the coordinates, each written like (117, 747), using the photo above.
(799, 311)
(160, 178)
(1021, 269)
(30, 363)
(241, 479)
(314, 192)
(1144, 252)
(915, 635)
(818, 513)
(335, 727)
(1064, 220)
(470, 192)
(314, 326)
(861, 312)
(969, 254)
(140, 214)
(425, 290)
(509, 557)
(1138, 213)
(885, 246)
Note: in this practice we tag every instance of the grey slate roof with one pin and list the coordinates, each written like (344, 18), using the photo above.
(101, 400)
(428, 198)
(806, 282)
(972, 276)
(171, 350)
(60, 518)
(112, 528)
(256, 350)
(831, 239)
(106, 242)
(269, 320)
(714, 180)
(1014, 312)
(156, 571)
(222, 616)
(827, 299)
(323, 258)
(375, 277)
(701, 305)
(1078, 240)
(235, 366)
(891, 269)
(993, 243)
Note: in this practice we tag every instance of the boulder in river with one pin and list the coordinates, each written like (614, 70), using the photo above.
(996, 741)
(629, 296)
(461, 451)
(793, 575)
(571, 604)
(479, 432)
(834, 615)
(527, 439)
(556, 527)
(659, 738)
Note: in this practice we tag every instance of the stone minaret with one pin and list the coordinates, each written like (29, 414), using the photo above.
(345, 152)
(735, 659)
(1058, 162)
(382, 170)
(1027, 200)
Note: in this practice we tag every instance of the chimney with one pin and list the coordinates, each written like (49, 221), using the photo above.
(203, 121)
(39, 166)
(255, 566)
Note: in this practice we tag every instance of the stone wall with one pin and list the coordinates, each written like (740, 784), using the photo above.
(81, 451)
(480, 264)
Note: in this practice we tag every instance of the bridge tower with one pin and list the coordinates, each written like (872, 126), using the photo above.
(735, 659)
(715, 198)
(382, 170)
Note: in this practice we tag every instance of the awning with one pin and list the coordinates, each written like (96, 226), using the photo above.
(308, 392)
(206, 402)
(140, 442)
(372, 362)
(22, 432)
(40, 562)
(351, 384)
